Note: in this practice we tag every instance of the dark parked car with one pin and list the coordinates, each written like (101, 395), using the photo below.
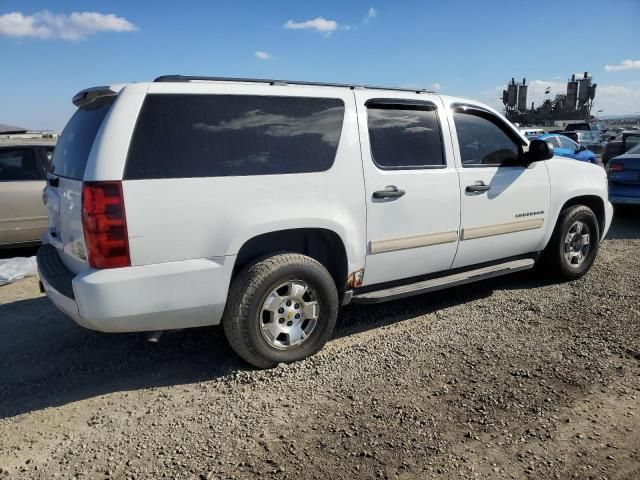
(619, 144)
(624, 178)
(588, 127)
(23, 167)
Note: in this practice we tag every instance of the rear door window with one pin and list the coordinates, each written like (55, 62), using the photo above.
(74, 145)
(183, 136)
(404, 136)
(18, 165)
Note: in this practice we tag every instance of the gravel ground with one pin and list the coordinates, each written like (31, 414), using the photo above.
(511, 378)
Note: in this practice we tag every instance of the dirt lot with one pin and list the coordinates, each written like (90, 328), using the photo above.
(511, 378)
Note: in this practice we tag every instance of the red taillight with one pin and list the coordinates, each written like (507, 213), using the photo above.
(105, 225)
(616, 167)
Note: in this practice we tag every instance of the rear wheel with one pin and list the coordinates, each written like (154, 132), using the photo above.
(280, 309)
(574, 243)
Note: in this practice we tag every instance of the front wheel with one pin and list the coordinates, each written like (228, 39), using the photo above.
(280, 309)
(574, 243)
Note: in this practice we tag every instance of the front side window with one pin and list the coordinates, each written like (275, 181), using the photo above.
(553, 141)
(482, 142)
(18, 164)
(184, 136)
(404, 136)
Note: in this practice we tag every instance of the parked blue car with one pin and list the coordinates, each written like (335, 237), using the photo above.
(624, 178)
(565, 147)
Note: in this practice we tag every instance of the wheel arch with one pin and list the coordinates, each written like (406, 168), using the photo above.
(321, 244)
(594, 202)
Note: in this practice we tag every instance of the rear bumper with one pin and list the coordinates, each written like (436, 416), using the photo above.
(184, 294)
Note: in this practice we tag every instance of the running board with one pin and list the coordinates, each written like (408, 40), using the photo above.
(440, 283)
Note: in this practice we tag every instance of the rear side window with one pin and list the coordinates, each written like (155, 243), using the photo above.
(18, 164)
(404, 136)
(48, 155)
(72, 150)
(566, 143)
(182, 136)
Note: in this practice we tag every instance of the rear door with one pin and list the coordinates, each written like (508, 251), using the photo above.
(22, 214)
(505, 205)
(411, 185)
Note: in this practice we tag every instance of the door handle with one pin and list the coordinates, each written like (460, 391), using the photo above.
(478, 187)
(390, 191)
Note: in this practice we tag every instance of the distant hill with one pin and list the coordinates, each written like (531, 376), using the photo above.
(626, 116)
(11, 129)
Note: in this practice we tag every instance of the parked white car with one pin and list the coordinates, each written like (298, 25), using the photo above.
(265, 205)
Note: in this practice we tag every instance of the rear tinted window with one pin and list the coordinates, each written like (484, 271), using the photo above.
(404, 137)
(181, 136)
(72, 150)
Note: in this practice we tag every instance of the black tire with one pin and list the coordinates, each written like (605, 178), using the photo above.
(554, 255)
(242, 317)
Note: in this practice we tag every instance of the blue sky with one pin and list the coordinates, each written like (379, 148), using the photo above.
(460, 47)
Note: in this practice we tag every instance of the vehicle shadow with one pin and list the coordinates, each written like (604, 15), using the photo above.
(47, 360)
(18, 252)
(626, 223)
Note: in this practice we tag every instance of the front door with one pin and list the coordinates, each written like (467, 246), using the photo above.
(411, 185)
(505, 205)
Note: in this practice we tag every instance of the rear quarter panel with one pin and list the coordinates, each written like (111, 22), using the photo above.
(177, 219)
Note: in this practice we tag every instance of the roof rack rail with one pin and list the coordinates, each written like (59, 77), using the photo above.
(189, 78)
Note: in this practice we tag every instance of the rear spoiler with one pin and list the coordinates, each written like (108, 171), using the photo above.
(90, 95)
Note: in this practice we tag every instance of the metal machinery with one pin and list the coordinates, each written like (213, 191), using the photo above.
(574, 105)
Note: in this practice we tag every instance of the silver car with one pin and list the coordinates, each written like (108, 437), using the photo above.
(23, 167)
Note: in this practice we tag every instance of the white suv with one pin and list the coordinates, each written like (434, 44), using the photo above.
(265, 205)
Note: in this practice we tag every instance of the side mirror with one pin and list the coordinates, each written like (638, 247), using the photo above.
(612, 138)
(581, 148)
(539, 150)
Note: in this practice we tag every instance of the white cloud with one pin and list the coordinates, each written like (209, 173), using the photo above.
(319, 24)
(434, 86)
(623, 65)
(263, 55)
(371, 14)
(616, 99)
(47, 25)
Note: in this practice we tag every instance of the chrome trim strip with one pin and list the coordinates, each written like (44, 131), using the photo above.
(501, 229)
(21, 219)
(404, 243)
